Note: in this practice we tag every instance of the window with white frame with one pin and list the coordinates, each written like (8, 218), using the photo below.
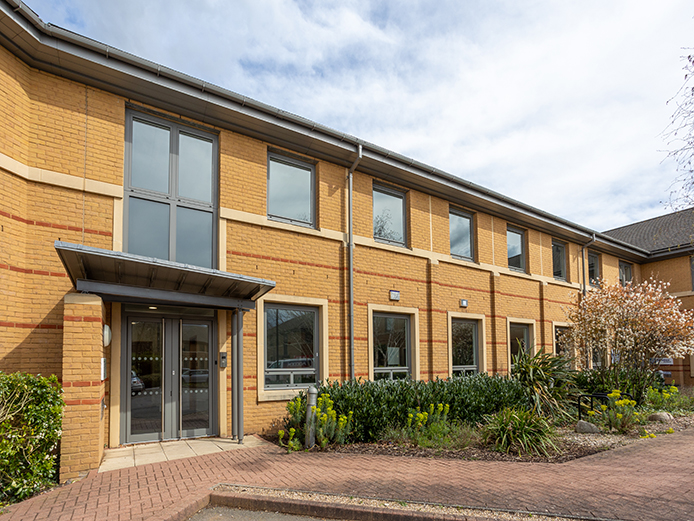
(461, 234)
(464, 350)
(291, 190)
(625, 273)
(170, 190)
(593, 268)
(559, 260)
(391, 346)
(389, 215)
(515, 243)
(291, 346)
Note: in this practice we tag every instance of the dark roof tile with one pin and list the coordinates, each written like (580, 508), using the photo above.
(674, 230)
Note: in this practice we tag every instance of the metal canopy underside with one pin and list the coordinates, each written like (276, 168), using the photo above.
(125, 277)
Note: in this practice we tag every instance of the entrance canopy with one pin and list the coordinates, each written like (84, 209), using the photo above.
(125, 277)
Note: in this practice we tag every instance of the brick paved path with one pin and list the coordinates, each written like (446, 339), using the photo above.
(648, 480)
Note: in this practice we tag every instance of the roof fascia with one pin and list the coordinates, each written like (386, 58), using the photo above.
(70, 55)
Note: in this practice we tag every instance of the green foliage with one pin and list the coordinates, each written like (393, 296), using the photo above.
(634, 381)
(296, 415)
(618, 414)
(330, 428)
(30, 428)
(669, 399)
(547, 380)
(293, 443)
(519, 430)
(381, 404)
(432, 429)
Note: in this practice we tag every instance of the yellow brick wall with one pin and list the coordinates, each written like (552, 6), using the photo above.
(64, 127)
(675, 271)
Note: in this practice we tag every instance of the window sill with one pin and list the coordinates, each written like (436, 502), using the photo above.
(461, 258)
(275, 218)
(390, 243)
(279, 395)
(517, 270)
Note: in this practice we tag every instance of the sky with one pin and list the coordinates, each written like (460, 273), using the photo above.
(561, 105)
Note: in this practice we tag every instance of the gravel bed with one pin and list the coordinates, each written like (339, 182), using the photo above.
(392, 504)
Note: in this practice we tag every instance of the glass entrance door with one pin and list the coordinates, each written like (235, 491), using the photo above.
(168, 380)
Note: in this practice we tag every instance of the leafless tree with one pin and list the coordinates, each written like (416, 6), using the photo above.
(680, 140)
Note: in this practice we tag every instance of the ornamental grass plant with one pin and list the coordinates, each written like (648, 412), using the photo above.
(548, 382)
(520, 431)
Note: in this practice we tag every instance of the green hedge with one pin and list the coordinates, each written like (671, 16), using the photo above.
(30, 428)
(384, 403)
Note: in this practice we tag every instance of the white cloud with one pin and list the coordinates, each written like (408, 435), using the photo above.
(558, 104)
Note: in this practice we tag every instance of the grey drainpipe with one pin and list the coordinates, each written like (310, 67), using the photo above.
(351, 264)
(583, 258)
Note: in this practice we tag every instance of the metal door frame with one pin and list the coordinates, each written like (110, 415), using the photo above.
(171, 383)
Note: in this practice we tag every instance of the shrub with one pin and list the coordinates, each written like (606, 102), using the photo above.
(519, 430)
(669, 399)
(330, 428)
(432, 429)
(547, 380)
(30, 428)
(634, 381)
(386, 403)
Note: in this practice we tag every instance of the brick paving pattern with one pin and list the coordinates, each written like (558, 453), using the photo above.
(648, 480)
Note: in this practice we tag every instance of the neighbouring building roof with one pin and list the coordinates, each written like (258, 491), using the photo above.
(674, 231)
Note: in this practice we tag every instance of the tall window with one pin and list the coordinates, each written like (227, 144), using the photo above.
(559, 260)
(464, 347)
(170, 191)
(515, 243)
(561, 341)
(291, 346)
(625, 275)
(391, 342)
(593, 268)
(519, 339)
(389, 215)
(291, 190)
(461, 234)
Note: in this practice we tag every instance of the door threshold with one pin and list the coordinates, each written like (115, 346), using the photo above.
(134, 455)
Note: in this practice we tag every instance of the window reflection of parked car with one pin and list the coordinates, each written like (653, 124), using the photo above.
(136, 384)
(195, 376)
(291, 363)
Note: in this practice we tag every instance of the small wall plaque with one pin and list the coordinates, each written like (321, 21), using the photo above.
(463, 302)
(394, 294)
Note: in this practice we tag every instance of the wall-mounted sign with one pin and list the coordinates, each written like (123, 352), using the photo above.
(463, 302)
(394, 294)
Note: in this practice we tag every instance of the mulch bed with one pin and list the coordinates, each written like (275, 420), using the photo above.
(571, 446)
(568, 451)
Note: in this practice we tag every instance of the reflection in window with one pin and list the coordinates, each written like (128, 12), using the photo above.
(625, 275)
(464, 347)
(389, 215)
(559, 260)
(562, 342)
(291, 349)
(519, 339)
(391, 344)
(195, 168)
(593, 268)
(150, 157)
(193, 232)
(169, 191)
(516, 249)
(290, 191)
(149, 228)
(461, 235)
